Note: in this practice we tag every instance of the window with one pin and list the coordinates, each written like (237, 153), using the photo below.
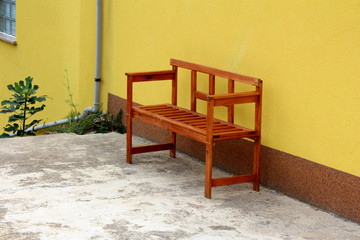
(8, 20)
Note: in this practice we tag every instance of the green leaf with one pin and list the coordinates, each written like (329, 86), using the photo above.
(8, 109)
(32, 123)
(32, 100)
(11, 128)
(4, 135)
(42, 98)
(5, 111)
(11, 87)
(18, 87)
(15, 117)
(28, 81)
(6, 102)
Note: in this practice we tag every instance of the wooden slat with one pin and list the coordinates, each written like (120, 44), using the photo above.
(163, 111)
(228, 100)
(173, 144)
(211, 84)
(258, 110)
(235, 131)
(232, 180)
(155, 107)
(256, 160)
(181, 118)
(231, 89)
(129, 115)
(209, 149)
(217, 72)
(152, 148)
(224, 129)
(227, 136)
(174, 87)
(200, 95)
(195, 121)
(187, 118)
(132, 74)
(234, 95)
(176, 114)
(199, 125)
(193, 90)
(219, 127)
(151, 76)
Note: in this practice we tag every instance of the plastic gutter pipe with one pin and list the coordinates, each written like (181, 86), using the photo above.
(98, 54)
(96, 106)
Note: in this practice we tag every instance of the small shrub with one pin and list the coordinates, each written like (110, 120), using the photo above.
(97, 122)
(22, 106)
(109, 123)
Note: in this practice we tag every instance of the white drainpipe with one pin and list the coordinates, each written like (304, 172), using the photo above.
(97, 77)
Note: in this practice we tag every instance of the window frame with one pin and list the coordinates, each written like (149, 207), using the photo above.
(7, 37)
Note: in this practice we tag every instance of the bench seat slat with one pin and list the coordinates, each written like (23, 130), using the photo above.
(191, 121)
(171, 127)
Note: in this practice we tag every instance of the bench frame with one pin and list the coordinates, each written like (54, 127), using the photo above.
(208, 132)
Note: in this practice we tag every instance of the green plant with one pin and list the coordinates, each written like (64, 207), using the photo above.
(97, 122)
(109, 123)
(22, 105)
(70, 101)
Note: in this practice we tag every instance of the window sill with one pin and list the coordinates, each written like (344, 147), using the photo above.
(7, 38)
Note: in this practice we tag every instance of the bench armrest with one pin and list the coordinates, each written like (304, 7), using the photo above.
(230, 98)
(151, 76)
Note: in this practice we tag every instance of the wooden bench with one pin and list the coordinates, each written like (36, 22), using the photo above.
(200, 127)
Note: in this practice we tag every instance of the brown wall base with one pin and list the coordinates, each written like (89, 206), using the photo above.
(310, 182)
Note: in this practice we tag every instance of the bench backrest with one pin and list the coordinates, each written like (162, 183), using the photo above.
(232, 78)
(216, 72)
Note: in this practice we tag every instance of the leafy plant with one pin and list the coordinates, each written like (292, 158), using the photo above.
(22, 106)
(97, 122)
(110, 123)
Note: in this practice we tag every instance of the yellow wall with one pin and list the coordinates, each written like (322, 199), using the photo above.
(52, 37)
(307, 52)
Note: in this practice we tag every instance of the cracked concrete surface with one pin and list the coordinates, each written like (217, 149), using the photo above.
(67, 186)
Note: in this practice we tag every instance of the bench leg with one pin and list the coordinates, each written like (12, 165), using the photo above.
(208, 169)
(173, 141)
(129, 139)
(257, 148)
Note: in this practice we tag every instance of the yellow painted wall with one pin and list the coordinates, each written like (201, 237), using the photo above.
(52, 37)
(307, 52)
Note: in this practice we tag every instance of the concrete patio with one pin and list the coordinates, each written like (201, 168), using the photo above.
(67, 186)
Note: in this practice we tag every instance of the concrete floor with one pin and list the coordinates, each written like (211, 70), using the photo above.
(67, 186)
